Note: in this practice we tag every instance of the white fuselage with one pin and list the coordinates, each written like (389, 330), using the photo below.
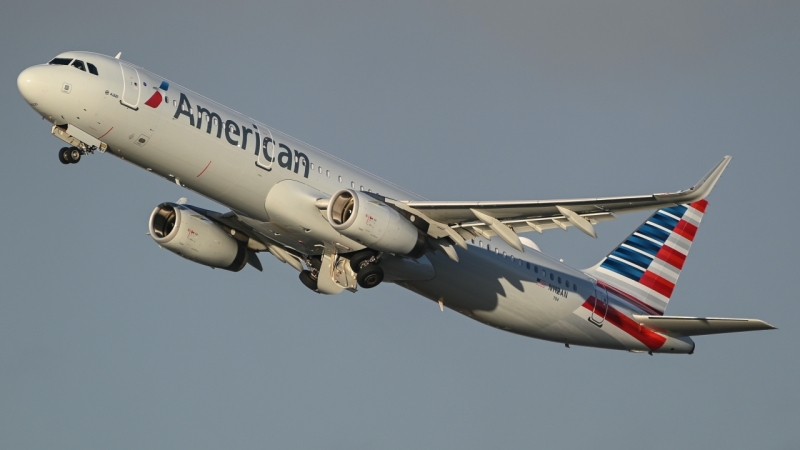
(249, 167)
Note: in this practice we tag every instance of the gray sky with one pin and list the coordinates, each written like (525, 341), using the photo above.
(108, 342)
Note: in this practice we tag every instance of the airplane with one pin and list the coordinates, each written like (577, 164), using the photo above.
(343, 228)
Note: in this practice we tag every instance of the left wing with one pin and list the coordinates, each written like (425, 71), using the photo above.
(698, 326)
(460, 220)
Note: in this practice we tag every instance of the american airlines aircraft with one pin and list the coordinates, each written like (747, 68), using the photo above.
(343, 228)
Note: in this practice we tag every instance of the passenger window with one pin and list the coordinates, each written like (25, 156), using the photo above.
(166, 99)
(559, 280)
(529, 265)
(496, 251)
(175, 103)
(574, 287)
(328, 173)
(78, 64)
(60, 62)
(340, 178)
(361, 188)
(552, 277)
(536, 269)
(319, 169)
(488, 247)
(92, 69)
(353, 184)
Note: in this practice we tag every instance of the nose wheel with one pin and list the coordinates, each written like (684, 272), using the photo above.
(69, 155)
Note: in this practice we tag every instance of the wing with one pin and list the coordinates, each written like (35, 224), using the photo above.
(698, 326)
(506, 218)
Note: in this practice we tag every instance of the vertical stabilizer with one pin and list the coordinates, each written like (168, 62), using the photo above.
(645, 267)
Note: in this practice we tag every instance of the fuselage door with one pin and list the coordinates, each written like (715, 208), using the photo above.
(131, 86)
(600, 305)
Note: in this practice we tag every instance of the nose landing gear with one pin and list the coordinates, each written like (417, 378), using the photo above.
(69, 155)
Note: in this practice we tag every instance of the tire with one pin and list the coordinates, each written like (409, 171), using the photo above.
(63, 155)
(358, 259)
(308, 281)
(370, 276)
(74, 155)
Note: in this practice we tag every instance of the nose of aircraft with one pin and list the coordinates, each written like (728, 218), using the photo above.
(31, 84)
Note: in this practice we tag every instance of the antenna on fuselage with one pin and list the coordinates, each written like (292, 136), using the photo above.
(118, 55)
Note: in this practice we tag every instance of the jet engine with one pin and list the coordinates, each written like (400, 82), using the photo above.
(374, 224)
(196, 238)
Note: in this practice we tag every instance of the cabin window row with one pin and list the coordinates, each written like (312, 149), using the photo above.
(541, 271)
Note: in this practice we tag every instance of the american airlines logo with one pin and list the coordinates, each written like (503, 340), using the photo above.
(237, 136)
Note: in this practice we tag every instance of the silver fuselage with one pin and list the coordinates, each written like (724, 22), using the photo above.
(231, 162)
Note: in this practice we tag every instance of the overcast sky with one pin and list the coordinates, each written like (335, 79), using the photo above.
(108, 342)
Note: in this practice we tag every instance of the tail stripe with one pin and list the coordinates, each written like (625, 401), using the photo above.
(623, 269)
(648, 263)
(676, 211)
(664, 220)
(639, 243)
(671, 256)
(633, 256)
(653, 232)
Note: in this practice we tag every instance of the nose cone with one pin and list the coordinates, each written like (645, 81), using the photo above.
(31, 83)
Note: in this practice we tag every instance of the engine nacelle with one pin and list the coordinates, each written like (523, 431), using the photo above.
(194, 237)
(375, 224)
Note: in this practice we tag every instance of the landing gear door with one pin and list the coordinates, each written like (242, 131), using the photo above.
(131, 86)
(600, 305)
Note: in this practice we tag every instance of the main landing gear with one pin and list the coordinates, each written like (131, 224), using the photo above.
(368, 273)
(310, 278)
(363, 264)
(70, 155)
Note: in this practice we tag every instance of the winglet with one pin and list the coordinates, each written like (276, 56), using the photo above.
(702, 188)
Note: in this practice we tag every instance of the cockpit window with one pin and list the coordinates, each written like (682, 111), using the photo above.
(60, 62)
(92, 68)
(78, 64)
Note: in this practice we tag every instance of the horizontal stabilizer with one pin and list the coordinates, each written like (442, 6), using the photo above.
(698, 326)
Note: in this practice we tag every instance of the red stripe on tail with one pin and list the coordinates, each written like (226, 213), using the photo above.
(671, 256)
(700, 205)
(657, 284)
(686, 230)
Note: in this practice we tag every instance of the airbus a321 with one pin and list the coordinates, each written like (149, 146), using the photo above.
(343, 228)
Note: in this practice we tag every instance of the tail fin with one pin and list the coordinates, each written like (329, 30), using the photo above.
(645, 267)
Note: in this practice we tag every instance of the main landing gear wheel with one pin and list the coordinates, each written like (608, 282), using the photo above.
(308, 280)
(370, 276)
(63, 155)
(360, 260)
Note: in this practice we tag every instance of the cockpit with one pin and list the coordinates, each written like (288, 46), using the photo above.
(76, 63)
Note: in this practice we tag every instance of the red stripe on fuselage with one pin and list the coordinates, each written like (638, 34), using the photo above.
(622, 295)
(671, 256)
(641, 333)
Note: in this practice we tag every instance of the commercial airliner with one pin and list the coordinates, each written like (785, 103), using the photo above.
(343, 228)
